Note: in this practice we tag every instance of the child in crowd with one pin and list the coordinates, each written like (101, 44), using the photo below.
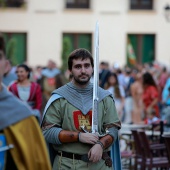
(151, 117)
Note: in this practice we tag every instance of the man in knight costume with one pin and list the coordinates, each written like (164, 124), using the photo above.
(22, 145)
(69, 109)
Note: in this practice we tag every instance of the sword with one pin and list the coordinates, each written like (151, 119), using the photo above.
(95, 81)
(95, 108)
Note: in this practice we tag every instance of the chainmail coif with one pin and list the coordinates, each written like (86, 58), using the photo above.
(81, 98)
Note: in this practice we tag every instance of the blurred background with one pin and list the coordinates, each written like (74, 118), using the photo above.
(134, 53)
(131, 31)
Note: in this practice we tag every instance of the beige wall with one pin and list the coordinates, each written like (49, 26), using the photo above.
(44, 22)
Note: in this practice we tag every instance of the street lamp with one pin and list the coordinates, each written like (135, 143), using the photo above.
(167, 12)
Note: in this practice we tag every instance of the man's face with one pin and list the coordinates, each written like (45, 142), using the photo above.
(82, 71)
(51, 65)
(3, 65)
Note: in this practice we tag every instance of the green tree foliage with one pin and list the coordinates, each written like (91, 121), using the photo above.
(12, 50)
(65, 53)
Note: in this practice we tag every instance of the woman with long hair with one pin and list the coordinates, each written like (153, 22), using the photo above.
(150, 94)
(26, 90)
(117, 91)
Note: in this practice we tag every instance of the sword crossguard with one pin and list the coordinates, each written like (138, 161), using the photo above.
(104, 134)
(83, 127)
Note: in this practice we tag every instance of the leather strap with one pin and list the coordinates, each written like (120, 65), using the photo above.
(68, 136)
(105, 156)
(106, 141)
(75, 156)
(108, 160)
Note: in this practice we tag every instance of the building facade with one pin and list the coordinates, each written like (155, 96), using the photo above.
(38, 30)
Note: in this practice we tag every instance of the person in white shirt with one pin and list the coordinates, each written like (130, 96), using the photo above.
(118, 93)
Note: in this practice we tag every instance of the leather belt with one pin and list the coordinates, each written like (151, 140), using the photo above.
(77, 156)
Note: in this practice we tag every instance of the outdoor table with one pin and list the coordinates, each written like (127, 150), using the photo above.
(126, 129)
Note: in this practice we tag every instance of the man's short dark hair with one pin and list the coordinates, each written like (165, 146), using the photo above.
(80, 53)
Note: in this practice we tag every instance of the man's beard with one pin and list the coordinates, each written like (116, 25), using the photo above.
(82, 82)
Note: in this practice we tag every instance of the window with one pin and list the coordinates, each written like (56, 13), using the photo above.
(12, 3)
(141, 4)
(15, 47)
(72, 42)
(77, 3)
(78, 41)
(140, 48)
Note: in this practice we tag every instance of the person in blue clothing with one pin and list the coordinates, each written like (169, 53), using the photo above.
(165, 112)
(166, 93)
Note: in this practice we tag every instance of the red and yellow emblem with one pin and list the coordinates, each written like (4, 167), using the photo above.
(82, 120)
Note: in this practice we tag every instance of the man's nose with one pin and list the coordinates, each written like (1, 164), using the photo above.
(83, 69)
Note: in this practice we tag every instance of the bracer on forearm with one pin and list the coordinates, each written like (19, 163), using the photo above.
(68, 136)
(106, 141)
(112, 135)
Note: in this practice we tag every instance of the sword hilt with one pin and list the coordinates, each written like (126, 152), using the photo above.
(83, 127)
(104, 134)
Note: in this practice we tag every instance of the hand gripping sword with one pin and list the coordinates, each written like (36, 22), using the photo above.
(95, 108)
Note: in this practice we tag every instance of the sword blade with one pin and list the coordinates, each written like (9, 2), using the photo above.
(95, 81)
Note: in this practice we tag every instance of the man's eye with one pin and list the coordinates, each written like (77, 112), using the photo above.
(87, 66)
(78, 67)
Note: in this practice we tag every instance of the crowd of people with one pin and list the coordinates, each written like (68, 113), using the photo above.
(33, 87)
(141, 93)
(61, 106)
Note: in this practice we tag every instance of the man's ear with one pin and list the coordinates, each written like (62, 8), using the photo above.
(6, 66)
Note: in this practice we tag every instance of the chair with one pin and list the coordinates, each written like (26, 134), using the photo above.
(139, 154)
(157, 141)
(127, 157)
(157, 127)
(167, 143)
(128, 154)
(149, 158)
